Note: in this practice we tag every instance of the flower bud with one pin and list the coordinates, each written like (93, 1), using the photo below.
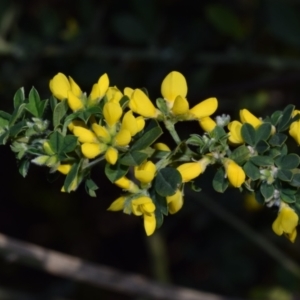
(84, 135)
(118, 204)
(175, 202)
(91, 150)
(191, 170)
(161, 147)
(111, 155)
(64, 168)
(295, 131)
(112, 112)
(235, 173)
(247, 117)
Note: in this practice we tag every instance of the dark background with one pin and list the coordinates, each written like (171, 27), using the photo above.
(244, 52)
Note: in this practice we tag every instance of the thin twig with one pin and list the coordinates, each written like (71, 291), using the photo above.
(77, 269)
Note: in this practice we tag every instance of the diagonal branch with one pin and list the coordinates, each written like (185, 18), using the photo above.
(64, 265)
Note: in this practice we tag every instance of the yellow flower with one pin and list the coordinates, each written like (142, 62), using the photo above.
(143, 206)
(247, 117)
(207, 124)
(84, 135)
(132, 124)
(91, 150)
(111, 155)
(128, 92)
(122, 138)
(235, 136)
(191, 170)
(173, 85)
(112, 112)
(113, 94)
(203, 109)
(142, 105)
(175, 202)
(64, 168)
(145, 172)
(59, 86)
(74, 102)
(74, 123)
(295, 128)
(74, 87)
(99, 89)
(235, 173)
(286, 222)
(180, 106)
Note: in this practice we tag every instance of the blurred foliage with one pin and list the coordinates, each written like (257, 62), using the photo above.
(245, 52)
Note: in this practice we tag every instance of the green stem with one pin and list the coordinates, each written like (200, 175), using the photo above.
(93, 163)
(171, 128)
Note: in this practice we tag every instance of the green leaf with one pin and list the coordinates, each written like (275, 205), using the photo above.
(248, 134)
(277, 139)
(259, 197)
(263, 132)
(4, 115)
(195, 140)
(24, 167)
(15, 129)
(159, 218)
(17, 113)
(35, 106)
(91, 187)
(262, 146)
(296, 180)
(4, 137)
(284, 122)
(285, 175)
(59, 112)
(133, 158)
(287, 195)
(240, 154)
(53, 102)
(162, 106)
(274, 152)
(151, 134)
(251, 170)
(71, 176)
(225, 20)
(167, 181)
(267, 190)
(19, 97)
(220, 183)
(290, 161)
(218, 133)
(69, 144)
(276, 117)
(115, 172)
(3, 123)
(262, 160)
(159, 201)
(56, 141)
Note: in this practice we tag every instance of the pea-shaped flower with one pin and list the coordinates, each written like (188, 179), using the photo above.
(191, 170)
(98, 90)
(295, 128)
(145, 172)
(286, 222)
(175, 202)
(235, 136)
(247, 117)
(235, 173)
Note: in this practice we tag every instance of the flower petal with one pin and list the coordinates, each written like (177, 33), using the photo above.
(173, 85)
(204, 108)
(60, 86)
(149, 223)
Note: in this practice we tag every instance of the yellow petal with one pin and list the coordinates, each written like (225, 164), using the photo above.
(123, 183)
(91, 150)
(114, 94)
(173, 85)
(123, 137)
(149, 223)
(247, 117)
(74, 102)
(175, 202)
(140, 121)
(204, 108)
(103, 84)
(128, 92)
(64, 168)
(141, 200)
(129, 122)
(235, 173)
(84, 135)
(190, 171)
(101, 132)
(161, 147)
(181, 106)
(111, 155)
(289, 219)
(207, 124)
(118, 204)
(74, 87)
(112, 112)
(74, 123)
(142, 105)
(292, 236)
(235, 136)
(60, 86)
(295, 131)
(149, 207)
(95, 94)
(145, 172)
